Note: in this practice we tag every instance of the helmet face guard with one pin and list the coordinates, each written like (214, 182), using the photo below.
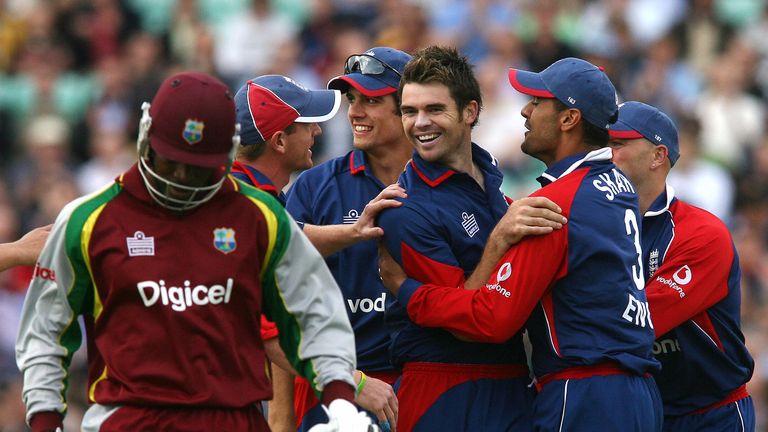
(158, 187)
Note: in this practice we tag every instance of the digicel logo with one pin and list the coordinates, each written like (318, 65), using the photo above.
(44, 273)
(180, 298)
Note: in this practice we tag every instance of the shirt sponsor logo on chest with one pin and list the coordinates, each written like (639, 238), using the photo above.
(183, 297)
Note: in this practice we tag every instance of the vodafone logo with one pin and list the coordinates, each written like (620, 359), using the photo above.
(683, 275)
(505, 271)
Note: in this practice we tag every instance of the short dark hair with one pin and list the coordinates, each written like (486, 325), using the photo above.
(593, 135)
(253, 151)
(444, 65)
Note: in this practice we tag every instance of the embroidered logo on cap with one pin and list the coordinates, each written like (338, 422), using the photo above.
(224, 240)
(193, 131)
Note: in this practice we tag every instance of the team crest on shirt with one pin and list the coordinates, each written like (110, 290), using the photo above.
(193, 131)
(224, 240)
(469, 223)
(653, 262)
(351, 217)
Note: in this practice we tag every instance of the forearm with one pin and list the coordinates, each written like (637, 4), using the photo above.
(491, 255)
(281, 415)
(276, 355)
(8, 258)
(329, 239)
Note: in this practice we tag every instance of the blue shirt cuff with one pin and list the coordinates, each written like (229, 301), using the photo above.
(406, 291)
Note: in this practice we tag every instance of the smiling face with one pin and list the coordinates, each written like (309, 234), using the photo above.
(439, 132)
(374, 120)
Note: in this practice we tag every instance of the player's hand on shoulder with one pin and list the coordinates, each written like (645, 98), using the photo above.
(529, 216)
(365, 227)
(343, 416)
(379, 398)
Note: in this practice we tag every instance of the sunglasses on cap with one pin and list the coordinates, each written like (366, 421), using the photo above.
(367, 65)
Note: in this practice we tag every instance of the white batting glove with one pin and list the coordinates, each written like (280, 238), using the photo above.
(344, 417)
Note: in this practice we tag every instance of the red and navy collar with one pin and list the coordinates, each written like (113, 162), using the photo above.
(662, 202)
(433, 174)
(256, 179)
(357, 162)
(569, 164)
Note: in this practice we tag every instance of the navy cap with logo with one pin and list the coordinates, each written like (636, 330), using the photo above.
(575, 82)
(193, 120)
(639, 120)
(270, 103)
(376, 72)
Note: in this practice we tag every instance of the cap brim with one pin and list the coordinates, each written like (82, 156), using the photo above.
(171, 152)
(529, 83)
(365, 84)
(323, 104)
(622, 130)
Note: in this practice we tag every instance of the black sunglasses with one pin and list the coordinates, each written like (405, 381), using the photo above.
(367, 65)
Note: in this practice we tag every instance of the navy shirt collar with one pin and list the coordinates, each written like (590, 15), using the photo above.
(569, 164)
(433, 174)
(255, 178)
(357, 163)
(662, 202)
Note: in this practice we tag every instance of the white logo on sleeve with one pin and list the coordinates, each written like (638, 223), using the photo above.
(469, 223)
(180, 298)
(683, 275)
(505, 271)
(140, 245)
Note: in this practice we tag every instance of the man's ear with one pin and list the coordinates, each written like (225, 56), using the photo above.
(569, 118)
(471, 112)
(660, 156)
(278, 142)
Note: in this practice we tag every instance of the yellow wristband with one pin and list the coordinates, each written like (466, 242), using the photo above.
(361, 384)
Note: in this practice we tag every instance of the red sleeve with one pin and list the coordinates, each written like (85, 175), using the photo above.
(694, 274)
(495, 312)
(268, 329)
(423, 268)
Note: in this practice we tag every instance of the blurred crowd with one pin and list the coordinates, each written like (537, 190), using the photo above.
(73, 74)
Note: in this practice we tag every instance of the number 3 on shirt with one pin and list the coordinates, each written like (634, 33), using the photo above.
(630, 223)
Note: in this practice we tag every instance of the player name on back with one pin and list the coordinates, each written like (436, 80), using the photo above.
(180, 298)
(613, 186)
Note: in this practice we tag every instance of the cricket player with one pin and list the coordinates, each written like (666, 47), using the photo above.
(170, 267)
(693, 285)
(337, 203)
(279, 122)
(579, 291)
(437, 235)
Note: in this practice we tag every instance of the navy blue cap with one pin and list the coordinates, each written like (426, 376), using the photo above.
(575, 82)
(270, 103)
(379, 84)
(639, 120)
